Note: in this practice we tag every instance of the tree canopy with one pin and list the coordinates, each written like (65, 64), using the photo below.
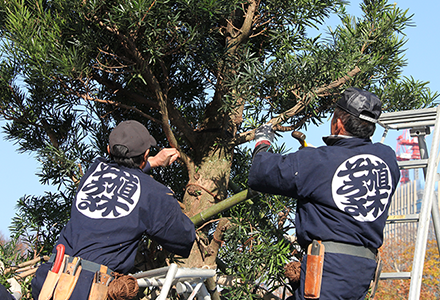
(201, 75)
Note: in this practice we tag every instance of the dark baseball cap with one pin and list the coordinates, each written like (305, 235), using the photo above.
(132, 135)
(361, 104)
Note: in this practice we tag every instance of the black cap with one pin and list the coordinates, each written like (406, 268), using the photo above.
(132, 135)
(361, 104)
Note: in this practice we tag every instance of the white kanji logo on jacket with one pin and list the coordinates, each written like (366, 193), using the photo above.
(108, 193)
(361, 187)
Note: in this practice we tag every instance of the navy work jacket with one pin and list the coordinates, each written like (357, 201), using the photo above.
(343, 190)
(113, 207)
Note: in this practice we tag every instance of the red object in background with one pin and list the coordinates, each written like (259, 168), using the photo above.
(407, 148)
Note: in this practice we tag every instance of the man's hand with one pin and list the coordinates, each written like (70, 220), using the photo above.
(164, 158)
(264, 133)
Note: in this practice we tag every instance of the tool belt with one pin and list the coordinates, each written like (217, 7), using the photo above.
(359, 251)
(85, 264)
(315, 262)
(342, 248)
(68, 278)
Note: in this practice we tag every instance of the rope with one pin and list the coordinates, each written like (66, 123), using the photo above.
(292, 271)
(216, 198)
(123, 287)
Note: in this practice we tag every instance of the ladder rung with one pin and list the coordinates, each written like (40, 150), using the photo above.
(412, 125)
(410, 118)
(409, 114)
(413, 164)
(403, 218)
(395, 275)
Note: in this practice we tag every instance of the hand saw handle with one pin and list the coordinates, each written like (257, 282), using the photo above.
(58, 258)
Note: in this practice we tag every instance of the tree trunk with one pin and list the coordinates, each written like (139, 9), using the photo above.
(207, 187)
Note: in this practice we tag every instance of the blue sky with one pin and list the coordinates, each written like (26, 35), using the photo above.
(18, 178)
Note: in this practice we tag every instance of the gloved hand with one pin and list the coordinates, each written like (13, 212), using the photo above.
(264, 133)
(15, 288)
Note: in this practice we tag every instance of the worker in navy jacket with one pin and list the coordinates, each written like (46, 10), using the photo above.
(116, 203)
(343, 193)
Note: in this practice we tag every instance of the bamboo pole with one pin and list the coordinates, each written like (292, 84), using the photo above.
(205, 215)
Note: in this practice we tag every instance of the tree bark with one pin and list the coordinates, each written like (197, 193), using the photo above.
(206, 188)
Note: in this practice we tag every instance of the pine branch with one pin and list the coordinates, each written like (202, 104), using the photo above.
(249, 135)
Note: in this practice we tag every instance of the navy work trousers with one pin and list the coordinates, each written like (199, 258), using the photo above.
(345, 277)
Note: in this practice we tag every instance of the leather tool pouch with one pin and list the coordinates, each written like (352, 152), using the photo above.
(100, 284)
(68, 280)
(50, 283)
(314, 268)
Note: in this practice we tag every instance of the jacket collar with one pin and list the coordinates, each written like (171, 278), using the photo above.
(332, 140)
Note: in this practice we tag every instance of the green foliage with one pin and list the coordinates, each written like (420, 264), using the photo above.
(39, 221)
(9, 254)
(256, 254)
(12, 253)
(255, 249)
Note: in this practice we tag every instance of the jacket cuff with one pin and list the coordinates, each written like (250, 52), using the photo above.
(147, 167)
(262, 142)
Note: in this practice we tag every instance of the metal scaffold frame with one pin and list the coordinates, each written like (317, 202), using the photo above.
(189, 282)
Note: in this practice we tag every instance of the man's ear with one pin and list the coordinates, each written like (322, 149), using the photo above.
(336, 126)
(340, 128)
(145, 159)
(108, 149)
(146, 154)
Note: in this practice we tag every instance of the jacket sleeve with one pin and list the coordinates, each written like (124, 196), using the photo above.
(264, 146)
(274, 173)
(168, 225)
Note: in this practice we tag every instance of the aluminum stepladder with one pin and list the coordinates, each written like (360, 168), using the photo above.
(418, 122)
